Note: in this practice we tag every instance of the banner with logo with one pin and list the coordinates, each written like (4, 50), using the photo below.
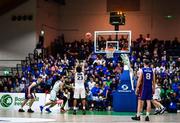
(125, 83)
(10, 101)
(124, 99)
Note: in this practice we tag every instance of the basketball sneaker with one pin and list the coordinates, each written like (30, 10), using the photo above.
(136, 118)
(48, 110)
(162, 110)
(84, 112)
(63, 110)
(74, 112)
(41, 108)
(147, 118)
(21, 110)
(157, 112)
(30, 111)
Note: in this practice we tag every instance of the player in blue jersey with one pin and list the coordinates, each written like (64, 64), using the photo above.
(29, 94)
(145, 89)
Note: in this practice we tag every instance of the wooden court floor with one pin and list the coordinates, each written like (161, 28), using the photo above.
(56, 117)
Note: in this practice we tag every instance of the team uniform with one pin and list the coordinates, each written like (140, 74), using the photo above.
(79, 91)
(55, 90)
(145, 91)
(29, 94)
(31, 91)
(160, 109)
(156, 95)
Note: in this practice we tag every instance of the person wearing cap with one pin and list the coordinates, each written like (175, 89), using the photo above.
(144, 90)
(29, 90)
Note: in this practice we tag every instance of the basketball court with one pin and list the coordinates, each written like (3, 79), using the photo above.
(91, 117)
(109, 43)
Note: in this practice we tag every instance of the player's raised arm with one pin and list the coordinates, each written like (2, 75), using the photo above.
(83, 66)
(76, 64)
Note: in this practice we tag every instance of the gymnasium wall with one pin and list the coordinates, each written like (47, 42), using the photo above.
(48, 19)
(17, 38)
(79, 17)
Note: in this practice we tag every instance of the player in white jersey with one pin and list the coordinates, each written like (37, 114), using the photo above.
(56, 90)
(156, 101)
(160, 109)
(79, 90)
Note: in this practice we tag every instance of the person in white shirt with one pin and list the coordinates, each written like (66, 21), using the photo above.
(91, 83)
(99, 60)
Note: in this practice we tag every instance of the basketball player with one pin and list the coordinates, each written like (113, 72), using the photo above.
(160, 109)
(79, 90)
(29, 96)
(156, 101)
(57, 89)
(144, 89)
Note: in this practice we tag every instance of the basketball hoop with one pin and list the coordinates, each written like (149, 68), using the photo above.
(109, 52)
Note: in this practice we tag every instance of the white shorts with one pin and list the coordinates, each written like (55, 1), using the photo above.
(79, 93)
(53, 96)
(156, 97)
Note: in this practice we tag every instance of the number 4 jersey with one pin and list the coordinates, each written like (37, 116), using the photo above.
(79, 80)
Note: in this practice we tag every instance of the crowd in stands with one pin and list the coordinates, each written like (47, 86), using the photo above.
(102, 74)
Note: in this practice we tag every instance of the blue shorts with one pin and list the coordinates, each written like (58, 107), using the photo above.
(146, 94)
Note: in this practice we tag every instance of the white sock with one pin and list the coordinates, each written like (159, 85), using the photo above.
(147, 113)
(138, 114)
(162, 106)
(84, 107)
(74, 108)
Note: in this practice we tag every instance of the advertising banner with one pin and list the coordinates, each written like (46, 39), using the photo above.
(13, 101)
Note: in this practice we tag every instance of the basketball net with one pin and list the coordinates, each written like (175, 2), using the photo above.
(109, 52)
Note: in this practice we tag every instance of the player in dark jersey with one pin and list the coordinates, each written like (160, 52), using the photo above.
(29, 96)
(145, 89)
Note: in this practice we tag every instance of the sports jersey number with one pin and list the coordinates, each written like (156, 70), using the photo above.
(79, 77)
(148, 76)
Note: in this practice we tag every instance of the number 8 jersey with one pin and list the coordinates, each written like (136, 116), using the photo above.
(147, 76)
(146, 92)
(79, 80)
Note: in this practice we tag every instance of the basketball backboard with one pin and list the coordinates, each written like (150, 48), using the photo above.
(119, 40)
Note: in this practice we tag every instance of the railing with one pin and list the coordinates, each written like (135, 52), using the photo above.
(11, 67)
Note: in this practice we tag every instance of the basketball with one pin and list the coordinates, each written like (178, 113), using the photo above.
(88, 36)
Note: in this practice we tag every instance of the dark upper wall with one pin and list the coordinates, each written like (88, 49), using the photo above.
(7, 5)
(123, 5)
(18, 38)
